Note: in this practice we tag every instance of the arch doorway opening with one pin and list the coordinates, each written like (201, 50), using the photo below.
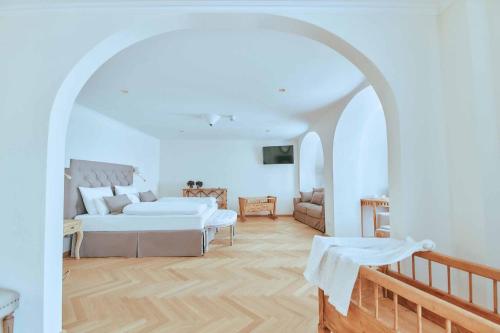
(360, 163)
(312, 162)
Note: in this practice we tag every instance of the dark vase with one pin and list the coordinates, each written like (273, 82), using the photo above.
(199, 184)
(190, 184)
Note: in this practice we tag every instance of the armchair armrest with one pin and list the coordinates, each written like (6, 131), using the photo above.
(295, 201)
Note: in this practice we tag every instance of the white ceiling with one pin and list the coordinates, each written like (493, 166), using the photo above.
(428, 6)
(173, 78)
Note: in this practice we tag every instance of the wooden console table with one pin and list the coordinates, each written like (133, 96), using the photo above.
(253, 205)
(374, 203)
(220, 194)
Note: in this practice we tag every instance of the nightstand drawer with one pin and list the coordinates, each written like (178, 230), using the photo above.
(71, 226)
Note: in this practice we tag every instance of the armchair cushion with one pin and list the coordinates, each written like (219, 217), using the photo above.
(317, 198)
(306, 196)
(302, 207)
(315, 211)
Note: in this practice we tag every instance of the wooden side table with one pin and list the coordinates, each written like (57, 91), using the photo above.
(374, 203)
(74, 227)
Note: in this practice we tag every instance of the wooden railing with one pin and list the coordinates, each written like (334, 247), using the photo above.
(451, 314)
(471, 269)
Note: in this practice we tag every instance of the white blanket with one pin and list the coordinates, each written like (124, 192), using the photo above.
(209, 201)
(334, 262)
(165, 208)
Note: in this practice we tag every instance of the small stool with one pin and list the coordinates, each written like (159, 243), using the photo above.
(223, 218)
(9, 301)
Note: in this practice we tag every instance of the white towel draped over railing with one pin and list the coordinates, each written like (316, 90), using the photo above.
(334, 262)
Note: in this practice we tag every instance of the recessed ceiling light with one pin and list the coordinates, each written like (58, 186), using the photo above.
(282, 90)
(124, 91)
(181, 131)
(268, 130)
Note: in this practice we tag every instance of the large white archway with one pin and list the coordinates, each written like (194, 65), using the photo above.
(359, 162)
(311, 162)
(97, 56)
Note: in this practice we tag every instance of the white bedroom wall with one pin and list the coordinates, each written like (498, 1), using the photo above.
(235, 165)
(95, 137)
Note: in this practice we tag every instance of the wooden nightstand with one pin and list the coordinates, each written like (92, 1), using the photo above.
(74, 227)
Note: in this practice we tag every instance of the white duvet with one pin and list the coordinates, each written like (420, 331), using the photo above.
(158, 208)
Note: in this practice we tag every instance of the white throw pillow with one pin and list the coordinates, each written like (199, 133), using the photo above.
(102, 208)
(134, 198)
(125, 190)
(91, 193)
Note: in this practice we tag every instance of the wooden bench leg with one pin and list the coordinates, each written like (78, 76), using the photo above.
(8, 324)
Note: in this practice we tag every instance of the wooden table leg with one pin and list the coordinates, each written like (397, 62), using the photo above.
(362, 223)
(231, 234)
(8, 324)
(374, 218)
(79, 238)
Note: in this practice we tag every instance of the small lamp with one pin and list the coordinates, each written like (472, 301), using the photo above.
(137, 172)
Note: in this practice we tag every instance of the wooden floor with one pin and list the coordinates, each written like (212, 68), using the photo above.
(256, 285)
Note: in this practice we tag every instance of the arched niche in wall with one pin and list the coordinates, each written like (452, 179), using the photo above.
(312, 164)
(360, 162)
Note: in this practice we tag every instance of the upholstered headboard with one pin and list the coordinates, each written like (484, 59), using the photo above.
(91, 174)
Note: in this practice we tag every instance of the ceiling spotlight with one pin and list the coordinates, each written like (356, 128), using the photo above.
(181, 131)
(282, 90)
(232, 117)
(268, 131)
(212, 119)
(124, 91)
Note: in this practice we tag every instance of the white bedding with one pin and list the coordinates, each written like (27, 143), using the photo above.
(209, 201)
(162, 208)
(124, 222)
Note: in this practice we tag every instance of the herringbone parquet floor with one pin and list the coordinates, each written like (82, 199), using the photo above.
(256, 285)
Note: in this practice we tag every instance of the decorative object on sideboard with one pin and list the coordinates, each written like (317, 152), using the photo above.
(137, 172)
(67, 176)
(199, 184)
(190, 183)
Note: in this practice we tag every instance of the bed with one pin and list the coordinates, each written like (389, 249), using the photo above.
(386, 300)
(141, 234)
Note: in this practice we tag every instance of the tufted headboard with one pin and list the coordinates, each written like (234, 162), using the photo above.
(91, 174)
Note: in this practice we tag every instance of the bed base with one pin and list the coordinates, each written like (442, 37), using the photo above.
(133, 244)
(386, 300)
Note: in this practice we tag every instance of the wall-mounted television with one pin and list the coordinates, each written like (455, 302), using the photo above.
(278, 154)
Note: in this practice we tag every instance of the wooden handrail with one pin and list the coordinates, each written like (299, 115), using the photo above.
(464, 265)
(442, 308)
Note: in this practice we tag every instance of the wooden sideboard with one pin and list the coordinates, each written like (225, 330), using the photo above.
(220, 194)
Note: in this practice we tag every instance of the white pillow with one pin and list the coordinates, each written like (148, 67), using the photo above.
(125, 190)
(134, 198)
(102, 208)
(91, 193)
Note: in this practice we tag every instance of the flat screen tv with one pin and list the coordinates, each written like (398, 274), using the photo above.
(278, 154)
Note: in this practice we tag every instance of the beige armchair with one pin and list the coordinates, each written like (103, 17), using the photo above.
(309, 213)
